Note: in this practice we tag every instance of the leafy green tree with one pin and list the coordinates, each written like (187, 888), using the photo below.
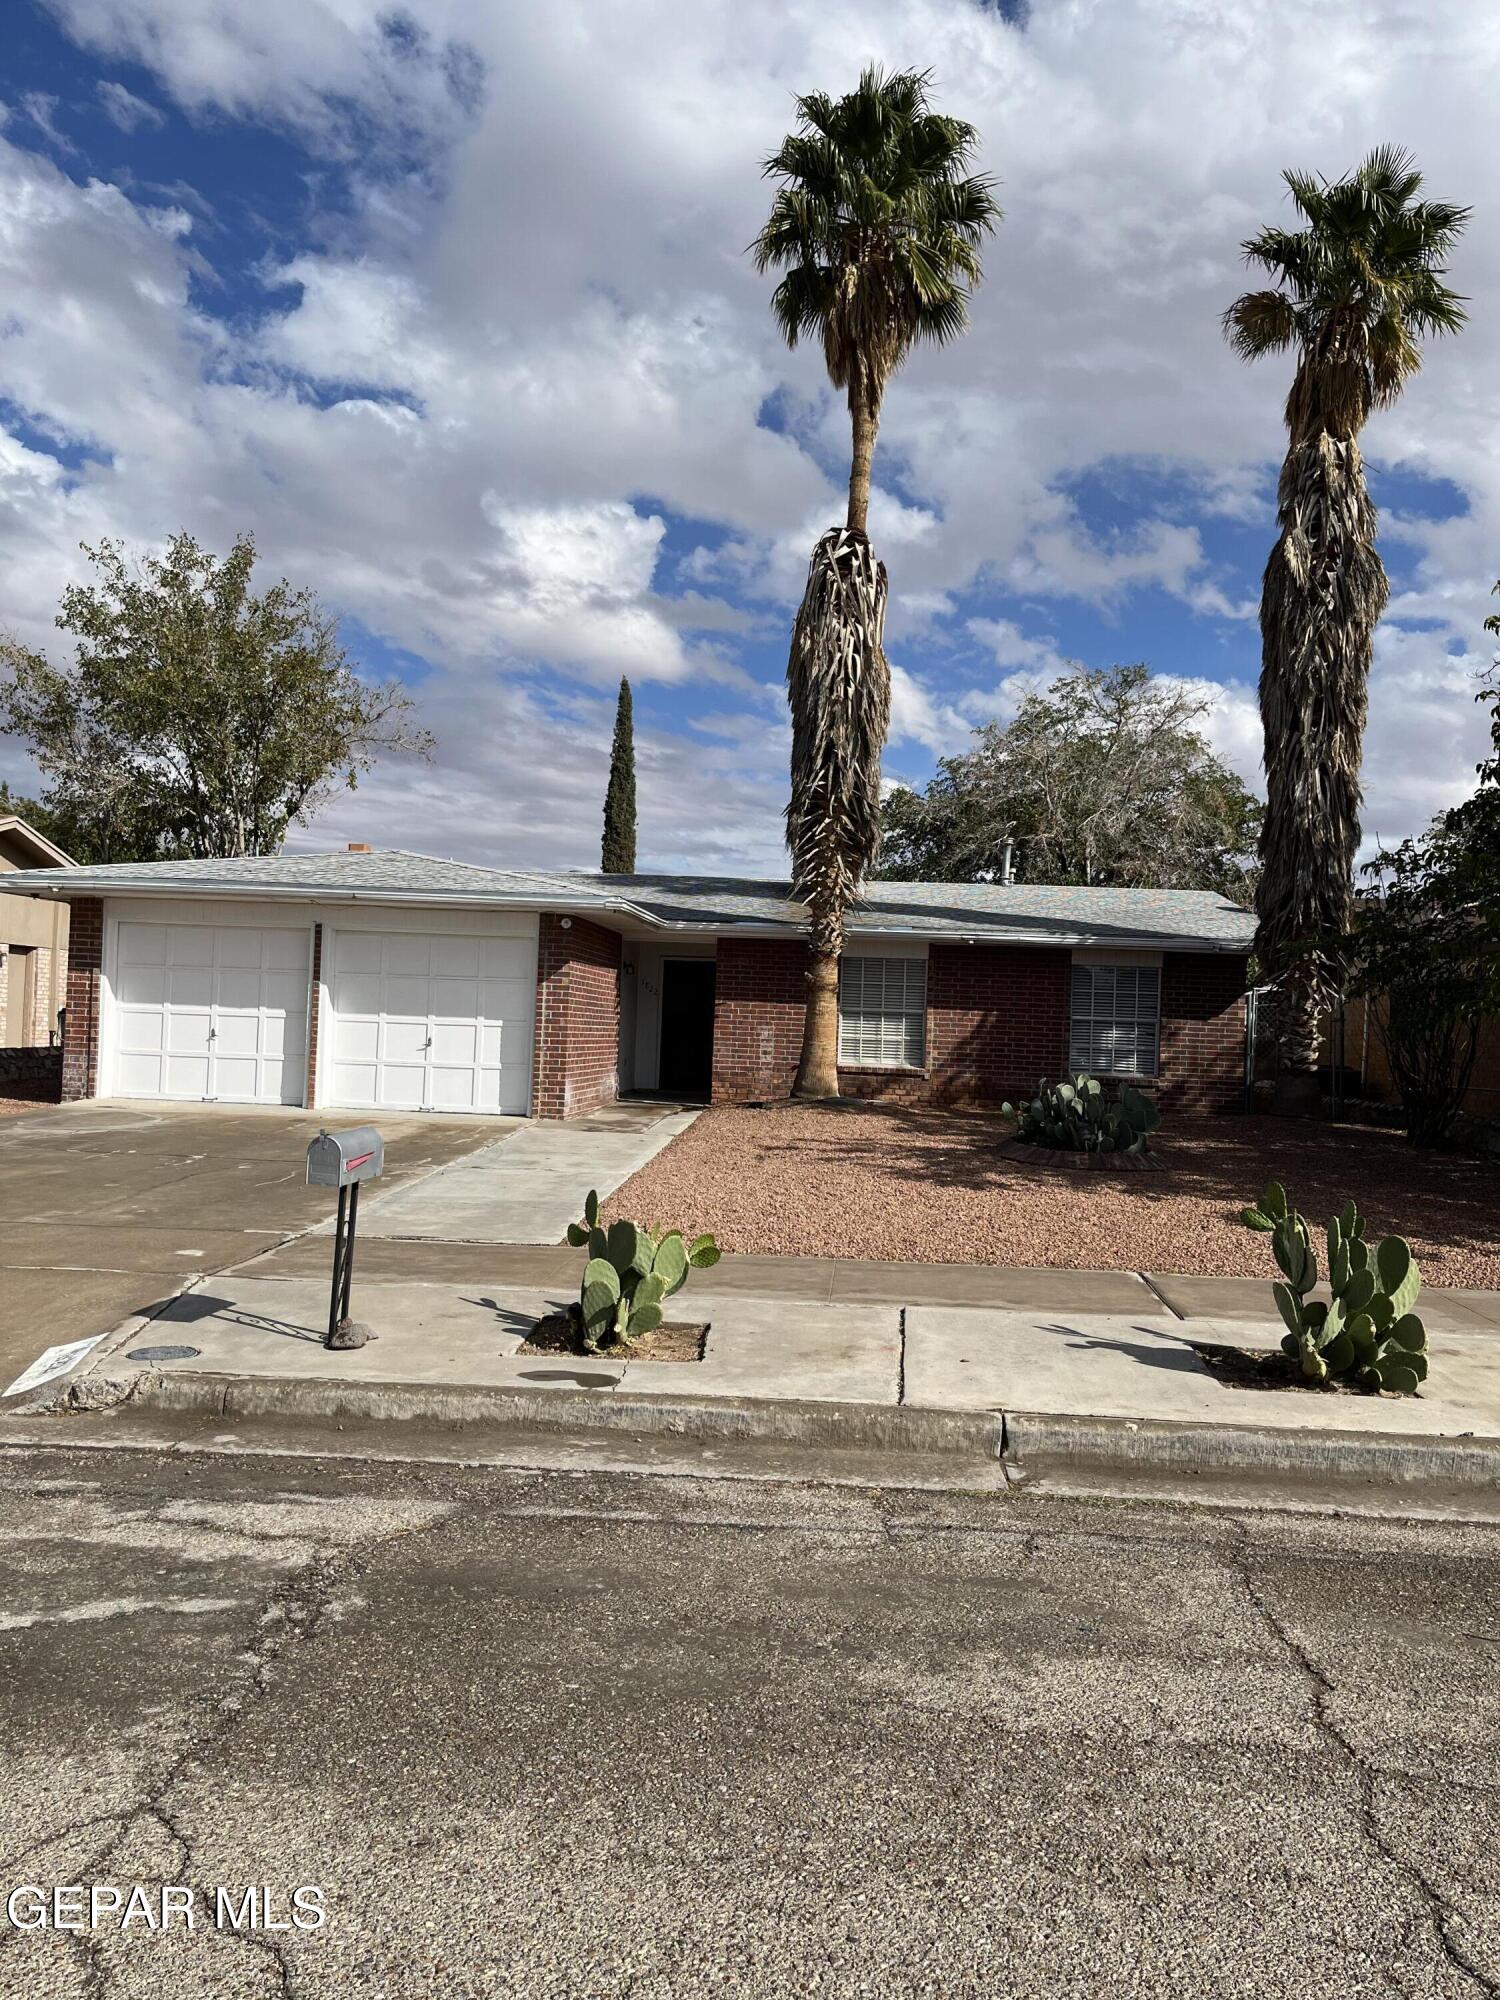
(1103, 779)
(197, 719)
(617, 854)
(1427, 944)
(1355, 291)
(876, 229)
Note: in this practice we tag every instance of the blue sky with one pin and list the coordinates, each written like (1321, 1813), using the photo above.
(449, 305)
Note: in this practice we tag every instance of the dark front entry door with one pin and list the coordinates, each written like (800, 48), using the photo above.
(687, 1026)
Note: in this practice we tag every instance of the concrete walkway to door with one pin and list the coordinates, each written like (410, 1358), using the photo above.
(528, 1186)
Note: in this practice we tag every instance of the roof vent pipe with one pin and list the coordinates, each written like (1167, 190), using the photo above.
(1005, 859)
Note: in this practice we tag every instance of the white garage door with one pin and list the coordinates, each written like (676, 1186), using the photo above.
(432, 1023)
(203, 1011)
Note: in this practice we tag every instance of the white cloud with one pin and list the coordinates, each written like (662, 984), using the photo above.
(123, 108)
(531, 328)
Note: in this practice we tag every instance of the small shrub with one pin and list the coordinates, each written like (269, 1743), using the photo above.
(1369, 1334)
(1077, 1117)
(631, 1271)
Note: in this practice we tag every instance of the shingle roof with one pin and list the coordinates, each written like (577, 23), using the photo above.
(1025, 912)
(1033, 911)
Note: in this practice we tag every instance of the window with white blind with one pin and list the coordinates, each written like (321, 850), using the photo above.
(1116, 1019)
(883, 1013)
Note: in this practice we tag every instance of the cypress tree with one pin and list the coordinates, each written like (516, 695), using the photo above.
(617, 856)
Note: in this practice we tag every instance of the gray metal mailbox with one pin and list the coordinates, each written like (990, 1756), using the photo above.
(344, 1159)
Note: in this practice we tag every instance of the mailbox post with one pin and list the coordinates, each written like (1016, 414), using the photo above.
(345, 1160)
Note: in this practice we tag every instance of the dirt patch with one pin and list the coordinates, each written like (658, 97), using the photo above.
(911, 1183)
(1249, 1368)
(673, 1340)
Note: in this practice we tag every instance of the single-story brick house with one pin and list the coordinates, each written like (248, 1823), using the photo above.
(366, 980)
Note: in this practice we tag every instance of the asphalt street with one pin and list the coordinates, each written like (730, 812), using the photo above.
(600, 1734)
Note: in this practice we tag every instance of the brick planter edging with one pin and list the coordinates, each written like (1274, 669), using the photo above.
(1057, 1159)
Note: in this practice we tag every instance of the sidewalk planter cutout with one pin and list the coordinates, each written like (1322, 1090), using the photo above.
(673, 1340)
(1367, 1337)
(1077, 1123)
(631, 1272)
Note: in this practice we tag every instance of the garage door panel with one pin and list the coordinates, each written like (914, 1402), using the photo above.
(509, 958)
(139, 1075)
(142, 985)
(430, 1027)
(407, 999)
(285, 993)
(359, 951)
(359, 1042)
(142, 1030)
(188, 945)
(454, 957)
(191, 986)
(236, 1035)
(454, 999)
(188, 1031)
(505, 999)
(210, 1011)
(455, 1042)
(186, 1076)
(234, 947)
(355, 1083)
(143, 944)
(238, 989)
(357, 995)
(237, 1076)
(403, 1085)
(405, 955)
(286, 951)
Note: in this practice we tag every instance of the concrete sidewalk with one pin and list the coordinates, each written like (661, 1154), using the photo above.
(826, 1280)
(527, 1187)
(1038, 1388)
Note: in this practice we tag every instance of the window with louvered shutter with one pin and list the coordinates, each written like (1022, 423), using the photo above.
(883, 1013)
(1116, 1019)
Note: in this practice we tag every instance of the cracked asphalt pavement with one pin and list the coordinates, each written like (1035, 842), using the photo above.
(541, 1733)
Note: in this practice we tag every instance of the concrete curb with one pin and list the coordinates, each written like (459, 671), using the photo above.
(880, 1426)
(1032, 1447)
(1043, 1445)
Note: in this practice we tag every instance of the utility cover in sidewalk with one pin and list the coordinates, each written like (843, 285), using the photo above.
(163, 1353)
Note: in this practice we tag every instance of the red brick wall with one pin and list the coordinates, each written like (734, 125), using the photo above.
(997, 1020)
(314, 1009)
(1202, 1031)
(577, 1051)
(80, 1063)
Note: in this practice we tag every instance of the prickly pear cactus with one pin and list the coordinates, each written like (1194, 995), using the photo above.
(631, 1272)
(1076, 1116)
(1367, 1333)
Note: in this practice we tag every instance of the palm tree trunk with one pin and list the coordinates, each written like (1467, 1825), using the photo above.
(864, 422)
(1323, 590)
(818, 1070)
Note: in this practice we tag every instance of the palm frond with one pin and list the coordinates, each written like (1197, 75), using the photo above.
(879, 213)
(1260, 323)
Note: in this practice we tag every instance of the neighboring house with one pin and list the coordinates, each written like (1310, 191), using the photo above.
(33, 942)
(1364, 1053)
(372, 981)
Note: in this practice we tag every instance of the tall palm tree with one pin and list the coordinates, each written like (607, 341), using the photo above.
(1355, 290)
(876, 229)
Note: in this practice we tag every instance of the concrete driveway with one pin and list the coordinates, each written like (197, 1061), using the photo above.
(106, 1208)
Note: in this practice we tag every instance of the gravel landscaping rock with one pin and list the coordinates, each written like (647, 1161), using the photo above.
(885, 1181)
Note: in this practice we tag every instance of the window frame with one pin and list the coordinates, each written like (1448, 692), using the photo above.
(1093, 962)
(908, 1014)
